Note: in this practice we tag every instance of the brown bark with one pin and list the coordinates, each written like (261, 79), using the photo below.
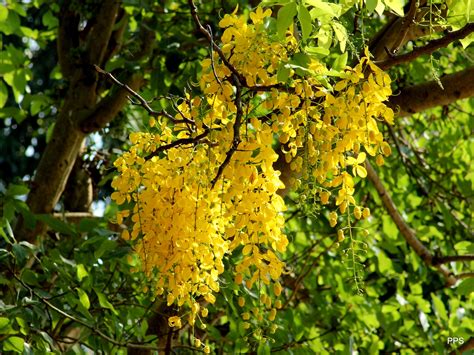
(400, 30)
(468, 345)
(429, 48)
(60, 154)
(424, 96)
(78, 193)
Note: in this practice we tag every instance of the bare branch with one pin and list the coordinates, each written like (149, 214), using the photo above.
(68, 38)
(469, 345)
(447, 259)
(94, 329)
(233, 69)
(108, 108)
(429, 48)
(178, 142)
(399, 30)
(141, 100)
(101, 30)
(408, 233)
(424, 96)
(236, 130)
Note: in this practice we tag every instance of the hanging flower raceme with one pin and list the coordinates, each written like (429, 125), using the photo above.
(202, 187)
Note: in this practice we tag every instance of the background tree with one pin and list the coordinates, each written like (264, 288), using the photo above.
(67, 283)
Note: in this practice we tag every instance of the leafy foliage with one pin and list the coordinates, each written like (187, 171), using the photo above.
(203, 254)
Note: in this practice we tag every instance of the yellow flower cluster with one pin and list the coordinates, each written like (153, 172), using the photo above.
(203, 187)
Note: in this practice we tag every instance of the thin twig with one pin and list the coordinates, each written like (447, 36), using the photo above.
(83, 323)
(181, 141)
(405, 230)
(447, 259)
(227, 63)
(236, 140)
(429, 48)
(303, 274)
(142, 102)
(465, 275)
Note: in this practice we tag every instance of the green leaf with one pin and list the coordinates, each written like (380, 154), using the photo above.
(28, 32)
(396, 6)
(11, 24)
(341, 34)
(3, 94)
(305, 20)
(49, 20)
(9, 237)
(385, 264)
(340, 62)
(21, 253)
(17, 81)
(285, 18)
(439, 307)
(3, 323)
(263, 349)
(325, 36)
(81, 272)
(29, 277)
(317, 51)
(47, 338)
(83, 298)
(324, 11)
(14, 344)
(17, 190)
(283, 73)
(466, 41)
(57, 224)
(3, 13)
(107, 245)
(49, 132)
(104, 302)
(23, 325)
(18, 8)
(371, 5)
(466, 287)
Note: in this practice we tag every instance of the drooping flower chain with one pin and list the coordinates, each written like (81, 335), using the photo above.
(186, 222)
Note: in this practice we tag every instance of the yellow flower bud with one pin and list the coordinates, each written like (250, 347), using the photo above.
(340, 235)
(366, 213)
(277, 289)
(272, 314)
(357, 212)
(238, 279)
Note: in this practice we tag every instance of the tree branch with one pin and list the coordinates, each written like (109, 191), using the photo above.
(101, 31)
(447, 259)
(68, 38)
(429, 48)
(399, 30)
(408, 233)
(110, 106)
(236, 140)
(181, 141)
(469, 345)
(94, 329)
(130, 89)
(424, 96)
